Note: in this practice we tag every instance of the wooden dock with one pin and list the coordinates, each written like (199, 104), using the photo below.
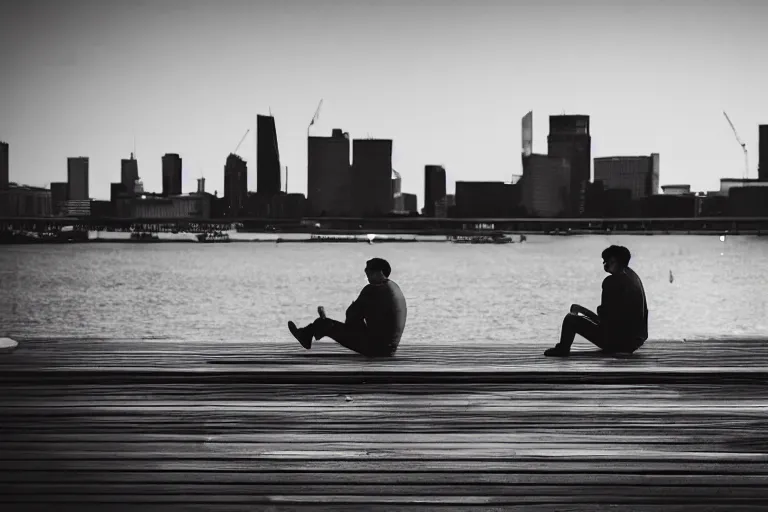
(170, 425)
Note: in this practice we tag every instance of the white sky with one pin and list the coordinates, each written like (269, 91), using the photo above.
(448, 81)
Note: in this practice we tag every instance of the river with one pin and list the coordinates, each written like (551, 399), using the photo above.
(456, 293)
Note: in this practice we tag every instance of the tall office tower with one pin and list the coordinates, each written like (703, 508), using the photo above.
(762, 163)
(171, 174)
(434, 188)
(546, 186)
(329, 175)
(129, 173)
(267, 157)
(77, 178)
(372, 177)
(4, 172)
(235, 185)
(397, 195)
(638, 174)
(59, 197)
(569, 138)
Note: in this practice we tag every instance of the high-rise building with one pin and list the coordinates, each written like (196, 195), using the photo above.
(397, 192)
(372, 177)
(77, 178)
(59, 197)
(639, 174)
(762, 147)
(4, 173)
(546, 186)
(267, 157)
(171, 174)
(434, 188)
(329, 175)
(235, 185)
(409, 203)
(569, 138)
(129, 172)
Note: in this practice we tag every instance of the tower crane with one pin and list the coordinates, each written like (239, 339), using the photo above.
(241, 141)
(314, 118)
(742, 144)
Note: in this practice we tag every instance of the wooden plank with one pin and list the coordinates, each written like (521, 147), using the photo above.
(371, 493)
(417, 465)
(530, 477)
(365, 500)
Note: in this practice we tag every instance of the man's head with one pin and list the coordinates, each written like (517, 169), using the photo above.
(615, 259)
(377, 270)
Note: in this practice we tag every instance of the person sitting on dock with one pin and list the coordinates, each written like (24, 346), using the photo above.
(374, 322)
(621, 322)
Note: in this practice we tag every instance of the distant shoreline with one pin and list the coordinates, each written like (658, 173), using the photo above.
(103, 237)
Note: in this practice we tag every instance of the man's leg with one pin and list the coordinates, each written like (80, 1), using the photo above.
(349, 335)
(573, 325)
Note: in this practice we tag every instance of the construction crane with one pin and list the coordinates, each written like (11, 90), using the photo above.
(741, 143)
(314, 118)
(241, 141)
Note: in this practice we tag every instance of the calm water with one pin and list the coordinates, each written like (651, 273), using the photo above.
(455, 293)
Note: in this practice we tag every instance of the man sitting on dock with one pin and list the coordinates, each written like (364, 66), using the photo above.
(374, 322)
(621, 322)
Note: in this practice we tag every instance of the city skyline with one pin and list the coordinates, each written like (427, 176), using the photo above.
(446, 81)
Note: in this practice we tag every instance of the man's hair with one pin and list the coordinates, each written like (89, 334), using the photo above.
(376, 264)
(619, 252)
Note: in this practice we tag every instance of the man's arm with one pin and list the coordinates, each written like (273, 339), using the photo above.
(608, 300)
(576, 309)
(356, 310)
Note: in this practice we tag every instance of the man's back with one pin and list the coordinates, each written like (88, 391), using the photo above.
(624, 309)
(385, 312)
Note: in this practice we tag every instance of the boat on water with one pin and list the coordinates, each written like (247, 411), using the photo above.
(482, 239)
(43, 237)
(144, 237)
(337, 238)
(212, 237)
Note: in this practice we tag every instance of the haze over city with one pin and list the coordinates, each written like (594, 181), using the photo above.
(447, 81)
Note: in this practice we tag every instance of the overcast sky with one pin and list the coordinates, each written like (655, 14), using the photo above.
(448, 81)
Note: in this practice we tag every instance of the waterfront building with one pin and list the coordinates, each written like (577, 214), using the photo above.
(371, 177)
(24, 201)
(329, 175)
(59, 197)
(545, 185)
(171, 174)
(77, 179)
(235, 186)
(569, 138)
(638, 174)
(4, 165)
(129, 172)
(434, 190)
(268, 168)
(762, 148)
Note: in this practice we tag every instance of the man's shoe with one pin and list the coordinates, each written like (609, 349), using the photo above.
(302, 335)
(557, 351)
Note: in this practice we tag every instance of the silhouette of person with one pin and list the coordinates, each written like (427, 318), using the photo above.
(621, 322)
(374, 322)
